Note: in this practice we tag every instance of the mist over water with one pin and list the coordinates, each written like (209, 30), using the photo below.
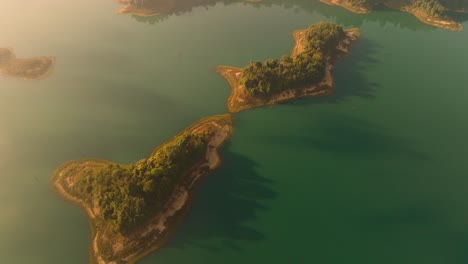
(375, 173)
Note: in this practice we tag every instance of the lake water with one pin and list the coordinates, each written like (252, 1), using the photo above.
(376, 173)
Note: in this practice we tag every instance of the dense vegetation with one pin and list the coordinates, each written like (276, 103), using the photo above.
(455, 4)
(129, 195)
(364, 3)
(430, 7)
(308, 67)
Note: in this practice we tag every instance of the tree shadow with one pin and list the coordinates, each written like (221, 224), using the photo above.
(392, 17)
(223, 204)
(344, 135)
(342, 16)
(458, 16)
(178, 7)
(350, 75)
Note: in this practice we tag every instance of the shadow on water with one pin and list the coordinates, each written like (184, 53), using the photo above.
(223, 204)
(382, 16)
(349, 75)
(350, 19)
(344, 135)
(457, 16)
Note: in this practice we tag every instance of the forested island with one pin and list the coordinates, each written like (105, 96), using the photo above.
(147, 8)
(306, 72)
(134, 208)
(431, 12)
(25, 69)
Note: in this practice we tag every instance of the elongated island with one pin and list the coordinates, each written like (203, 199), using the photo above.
(306, 72)
(25, 69)
(431, 12)
(149, 8)
(134, 208)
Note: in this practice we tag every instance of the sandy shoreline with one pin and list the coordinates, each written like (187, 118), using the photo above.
(157, 230)
(239, 100)
(440, 22)
(354, 9)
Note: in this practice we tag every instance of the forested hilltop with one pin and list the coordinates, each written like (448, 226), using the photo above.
(305, 68)
(432, 12)
(306, 72)
(133, 207)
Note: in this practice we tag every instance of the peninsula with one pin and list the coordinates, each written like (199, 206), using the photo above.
(306, 72)
(431, 12)
(25, 69)
(134, 208)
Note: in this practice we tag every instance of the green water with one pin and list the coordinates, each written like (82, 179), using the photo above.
(376, 173)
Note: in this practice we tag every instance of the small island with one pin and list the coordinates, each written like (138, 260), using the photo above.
(25, 69)
(134, 208)
(306, 72)
(431, 12)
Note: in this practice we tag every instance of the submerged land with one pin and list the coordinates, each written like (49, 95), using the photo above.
(25, 69)
(134, 208)
(306, 72)
(431, 12)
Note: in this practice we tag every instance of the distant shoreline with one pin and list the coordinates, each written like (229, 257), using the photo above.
(152, 11)
(350, 7)
(239, 100)
(440, 22)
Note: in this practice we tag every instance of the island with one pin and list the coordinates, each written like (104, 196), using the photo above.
(25, 69)
(431, 12)
(148, 8)
(306, 72)
(134, 208)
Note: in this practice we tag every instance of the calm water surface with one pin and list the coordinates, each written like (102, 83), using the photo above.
(376, 173)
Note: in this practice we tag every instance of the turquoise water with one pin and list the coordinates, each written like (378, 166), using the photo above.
(373, 174)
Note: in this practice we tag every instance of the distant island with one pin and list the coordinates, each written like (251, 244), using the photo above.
(25, 69)
(134, 208)
(431, 12)
(148, 8)
(306, 72)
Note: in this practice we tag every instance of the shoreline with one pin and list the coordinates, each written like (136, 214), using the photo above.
(141, 12)
(158, 228)
(349, 7)
(66, 196)
(151, 12)
(239, 101)
(439, 22)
